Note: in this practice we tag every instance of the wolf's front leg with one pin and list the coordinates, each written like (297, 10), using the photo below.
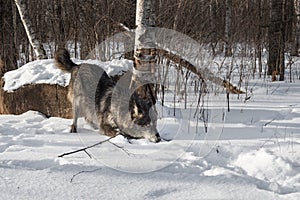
(109, 130)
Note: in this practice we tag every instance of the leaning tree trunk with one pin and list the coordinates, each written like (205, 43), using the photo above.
(276, 41)
(144, 50)
(31, 34)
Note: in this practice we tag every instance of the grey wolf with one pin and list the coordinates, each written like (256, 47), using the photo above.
(108, 105)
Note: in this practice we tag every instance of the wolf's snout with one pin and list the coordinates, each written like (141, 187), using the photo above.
(154, 138)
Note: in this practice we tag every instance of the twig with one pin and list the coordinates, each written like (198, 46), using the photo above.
(269, 122)
(122, 148)
(265, 142)
(81, 172)
(275, 89)
(88, 154)
(88, 147)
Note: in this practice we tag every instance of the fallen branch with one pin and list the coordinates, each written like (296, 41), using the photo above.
(81, 172)
(88, 147)
(265, 142)
(122, 148)
(269, 122)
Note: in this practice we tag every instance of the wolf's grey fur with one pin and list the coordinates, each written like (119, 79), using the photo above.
(107, 105)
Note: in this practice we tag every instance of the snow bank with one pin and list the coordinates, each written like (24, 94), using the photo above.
(40, 71)
(44, 71)
(264, 165)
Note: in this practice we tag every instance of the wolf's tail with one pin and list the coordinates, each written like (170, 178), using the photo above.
(63, 60)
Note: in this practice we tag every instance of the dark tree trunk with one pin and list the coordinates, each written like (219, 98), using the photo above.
(276, 41)
(130, 23)
(8, 53)
(228, 21)
(213, 24)
(296, 43)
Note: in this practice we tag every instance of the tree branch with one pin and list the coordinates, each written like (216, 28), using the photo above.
(204, 74)
(88, 147)
(122, 148)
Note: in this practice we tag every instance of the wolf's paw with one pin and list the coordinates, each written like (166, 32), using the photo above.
(73, 129)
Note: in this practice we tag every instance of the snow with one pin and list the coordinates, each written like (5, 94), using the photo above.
(44, 71)
(254, 154)
(40, 71)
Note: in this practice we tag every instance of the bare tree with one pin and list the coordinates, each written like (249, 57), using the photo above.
(84, 25)
(177, 15)
(296, 43)
(259, 39)
(8, 54)
(228, 31)
(31, 34)
(213, 24)
(276, 41)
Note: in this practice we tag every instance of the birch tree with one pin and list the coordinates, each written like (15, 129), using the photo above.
(31, 34)
(144, 50)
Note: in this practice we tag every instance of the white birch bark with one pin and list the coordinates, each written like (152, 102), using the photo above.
(143, 78)
(144, 51)
(32, 37)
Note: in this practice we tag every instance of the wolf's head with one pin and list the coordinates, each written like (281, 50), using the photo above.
(144, 116)
(142, 112)
(135, 116)
(139, 120)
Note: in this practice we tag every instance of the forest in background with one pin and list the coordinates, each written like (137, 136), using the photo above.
(229, 27)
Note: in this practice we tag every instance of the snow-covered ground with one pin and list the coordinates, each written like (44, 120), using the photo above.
(254, 154)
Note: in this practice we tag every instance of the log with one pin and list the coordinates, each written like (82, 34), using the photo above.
(50, 100)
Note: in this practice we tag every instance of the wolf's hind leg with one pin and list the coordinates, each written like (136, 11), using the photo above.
(74, 125)
(73, 128)
(75, 117)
